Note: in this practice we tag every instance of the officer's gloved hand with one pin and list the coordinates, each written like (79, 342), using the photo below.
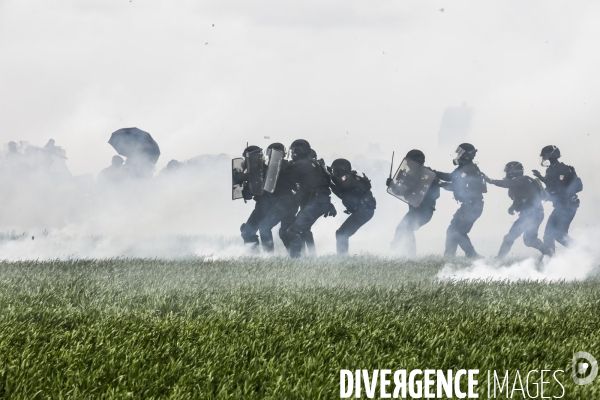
(332, 211)
(511, 210)
(537, 174)
(446, 185)
(388, 182)
(486, 178)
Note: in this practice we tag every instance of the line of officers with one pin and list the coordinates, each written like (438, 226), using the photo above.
(299, 193)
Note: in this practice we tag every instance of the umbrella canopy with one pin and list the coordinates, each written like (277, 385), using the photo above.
(134, 142)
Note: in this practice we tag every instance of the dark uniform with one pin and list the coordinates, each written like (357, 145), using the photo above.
(355, 193)
(468, 185)
(313, 182)
(562, 185)
(284, 208)
(262, 205)
(526, 194)
(416, 217)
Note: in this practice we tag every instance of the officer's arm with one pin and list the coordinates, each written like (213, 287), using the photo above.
(504, 183)
(344, 183)
(538, 175)
(336, 190)
(443, 176)
(240, 177)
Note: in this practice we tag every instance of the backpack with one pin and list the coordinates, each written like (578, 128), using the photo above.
(364, 183)
(576, 183)
(541, 190)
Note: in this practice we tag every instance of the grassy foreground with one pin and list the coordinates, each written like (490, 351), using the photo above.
(274, 328)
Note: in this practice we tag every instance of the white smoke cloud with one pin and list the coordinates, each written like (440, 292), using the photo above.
(578, 262)
(206, 77)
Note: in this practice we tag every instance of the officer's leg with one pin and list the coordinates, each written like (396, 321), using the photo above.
(248, 229)
(309, 240)
(453, 232)
(404, 238)
(472, 213)
(304, 221)
(534, 219)
(424, 216)
(564, 222)
(516, 230)
(551, 231)
(290, 210)
(265, 227)
(350, 226)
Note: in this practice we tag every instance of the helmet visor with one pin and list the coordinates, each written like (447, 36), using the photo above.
(458, 154)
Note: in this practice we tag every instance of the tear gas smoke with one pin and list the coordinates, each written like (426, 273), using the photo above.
(576, 263)
(363, 85)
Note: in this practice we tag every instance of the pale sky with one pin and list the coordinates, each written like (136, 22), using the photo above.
(206, 77)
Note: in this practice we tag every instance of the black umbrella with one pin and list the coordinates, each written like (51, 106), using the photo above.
(130, 142)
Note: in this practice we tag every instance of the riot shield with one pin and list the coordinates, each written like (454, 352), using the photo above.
(255, 163)
(275, 159)
(411, 182)
(237, 167)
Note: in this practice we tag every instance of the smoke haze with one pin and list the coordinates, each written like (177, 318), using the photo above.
(205, 78)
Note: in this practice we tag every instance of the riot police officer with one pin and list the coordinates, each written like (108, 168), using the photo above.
(262, 203)
(562, 185)
(284, 205)
(468, 185)
(527, 195)
(312, 180)
(355, 193)
(416, 217)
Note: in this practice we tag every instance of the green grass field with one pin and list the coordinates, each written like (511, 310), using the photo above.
(274, 328)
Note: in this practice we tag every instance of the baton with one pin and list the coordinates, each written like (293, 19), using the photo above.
(392, 166)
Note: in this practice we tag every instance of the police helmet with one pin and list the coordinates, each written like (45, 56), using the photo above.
(416, 155)
(514, 169)
(341, 167)
(465, 152)
(276, 146)
(549, 152)
(251, 149)
(300, 148)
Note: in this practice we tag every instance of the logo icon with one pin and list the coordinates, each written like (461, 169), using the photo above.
(581, 368)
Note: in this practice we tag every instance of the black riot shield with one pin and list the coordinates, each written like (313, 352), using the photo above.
(237, 167)
(411, 182)
(275, 159)
(255, 163)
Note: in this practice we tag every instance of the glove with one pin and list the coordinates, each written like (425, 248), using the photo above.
(511, 210)
(388, 182)
(486, 178)
(537, 174)
(331, 211)
(446, 185)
